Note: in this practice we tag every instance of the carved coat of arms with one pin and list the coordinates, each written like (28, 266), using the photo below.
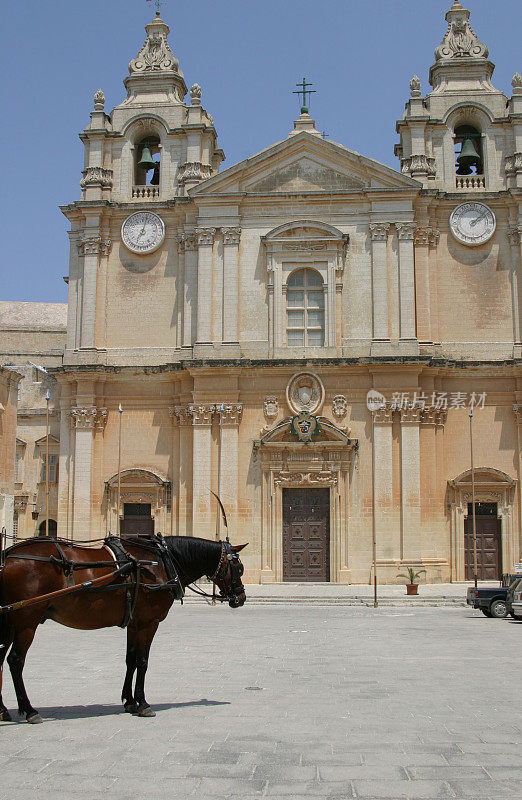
(305, 392)
(305, 427)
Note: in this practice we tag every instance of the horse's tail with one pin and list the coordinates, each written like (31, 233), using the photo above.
(5, 627)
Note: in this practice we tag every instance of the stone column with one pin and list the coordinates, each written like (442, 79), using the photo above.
(387, 539)
(425, 237)
(517, 408)
(180, 290)
(204, 315)
(515, 238)
(182, 483)
(64, 471)
(90, 246)
(190, 288)
(410, 486)
(229, 420)
(85, 420)
(379, 234)
(202, 519)
(231, 237)
(406, 234)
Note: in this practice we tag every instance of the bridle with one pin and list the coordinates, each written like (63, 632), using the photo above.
(227, 559)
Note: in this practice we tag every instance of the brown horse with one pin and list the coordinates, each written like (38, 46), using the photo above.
(45, 569)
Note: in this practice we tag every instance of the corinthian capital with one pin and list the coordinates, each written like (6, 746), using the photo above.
(379, 231)
(427, 235)
(515, 236)
(92, 245)
(180, 414)
(230, 414)
(88, 417)
(231, 235)
(406, 231)
(205, 236)
(201, 413)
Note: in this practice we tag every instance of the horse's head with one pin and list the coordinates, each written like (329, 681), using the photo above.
(229, 573)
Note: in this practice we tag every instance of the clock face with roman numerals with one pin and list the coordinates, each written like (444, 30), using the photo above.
(473, 223)
(143, 232)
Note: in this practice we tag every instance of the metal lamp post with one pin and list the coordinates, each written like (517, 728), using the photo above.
(374, 530)
(120, 411)
(473, 514)
(47, 398)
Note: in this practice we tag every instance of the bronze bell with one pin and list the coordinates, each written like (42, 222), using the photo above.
(467, 158)
(146, 162)
(154, 181)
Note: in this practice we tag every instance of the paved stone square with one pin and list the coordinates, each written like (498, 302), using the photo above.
(292, 701)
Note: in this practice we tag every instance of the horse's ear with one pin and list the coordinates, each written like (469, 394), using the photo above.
(236, 548)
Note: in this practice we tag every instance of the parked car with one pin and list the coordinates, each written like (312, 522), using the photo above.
(514, 598)
(492, 600)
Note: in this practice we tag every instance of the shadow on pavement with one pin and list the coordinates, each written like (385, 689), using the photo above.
(51, 713)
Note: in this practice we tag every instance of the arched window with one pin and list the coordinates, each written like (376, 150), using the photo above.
(305, 309)
(147, 166)
(469, 158)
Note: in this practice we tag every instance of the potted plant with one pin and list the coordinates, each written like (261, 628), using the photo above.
(412, 577)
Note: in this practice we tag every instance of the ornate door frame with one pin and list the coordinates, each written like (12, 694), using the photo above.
(493, 486)
(287, 464)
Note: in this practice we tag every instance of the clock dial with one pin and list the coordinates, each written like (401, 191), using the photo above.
(143, 232)
(473, 223)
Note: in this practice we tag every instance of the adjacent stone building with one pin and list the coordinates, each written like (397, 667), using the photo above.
(242, 317)
(9, 380)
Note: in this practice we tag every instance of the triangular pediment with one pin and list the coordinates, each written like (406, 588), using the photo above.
(281, 434)
(305, 164)
(50, 438)
(306, 175)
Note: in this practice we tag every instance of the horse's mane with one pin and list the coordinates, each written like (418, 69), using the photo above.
(196, 557)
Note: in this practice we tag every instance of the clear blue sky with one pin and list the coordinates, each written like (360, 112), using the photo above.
(246, 55)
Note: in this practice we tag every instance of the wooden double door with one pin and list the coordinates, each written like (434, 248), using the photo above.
(306, 535)
(489, 547)
(137, 520)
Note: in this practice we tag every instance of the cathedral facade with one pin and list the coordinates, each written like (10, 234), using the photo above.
(303, 333)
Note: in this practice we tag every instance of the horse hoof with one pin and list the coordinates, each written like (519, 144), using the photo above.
(146, 712)
(5, 716)
(131, 708)
(34, 719)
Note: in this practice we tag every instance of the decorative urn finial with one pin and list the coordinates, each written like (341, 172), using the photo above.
(195, 94)
(415, 86)
(99, 100)
(516, 83)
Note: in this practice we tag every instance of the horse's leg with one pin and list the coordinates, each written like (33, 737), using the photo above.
(144, 639)
(16, 660)
(5, 716)
(127, 698)
(5, 644)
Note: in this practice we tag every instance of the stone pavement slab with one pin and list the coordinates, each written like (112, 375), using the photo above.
(281, 701)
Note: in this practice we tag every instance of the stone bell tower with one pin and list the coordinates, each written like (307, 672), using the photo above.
(143, 157)
(465, 135)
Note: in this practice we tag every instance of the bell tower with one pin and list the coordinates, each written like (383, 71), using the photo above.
(465, 135)
(141, 161)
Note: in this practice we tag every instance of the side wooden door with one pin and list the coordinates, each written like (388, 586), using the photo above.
(489, 548)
